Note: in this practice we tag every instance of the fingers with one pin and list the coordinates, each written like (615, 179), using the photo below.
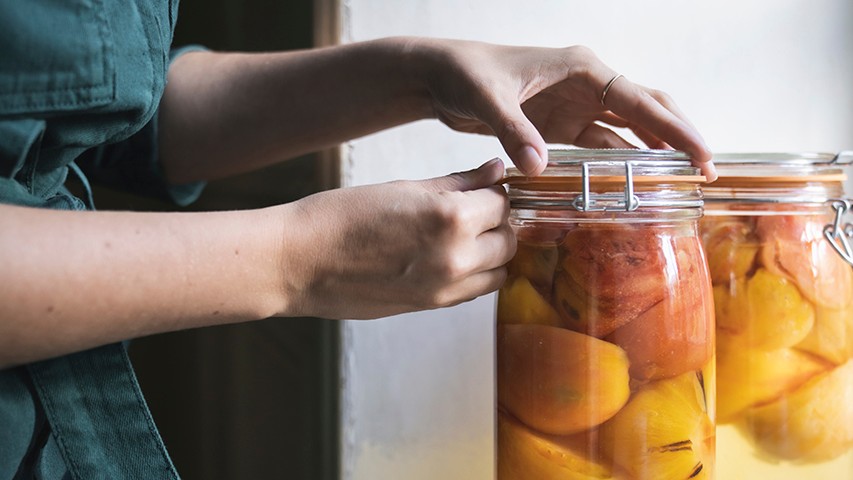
(469, 267)
(520, 139)
(655, 113)
(498, 244)
(613, 120)
(596, 136)
(485, 175)
(485, 209)
(472, 287)
(650, 140)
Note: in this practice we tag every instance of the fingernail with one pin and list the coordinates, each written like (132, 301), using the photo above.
(529, 160)
(492, 162)
(710, 171)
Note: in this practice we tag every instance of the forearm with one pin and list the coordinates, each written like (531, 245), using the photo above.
(70, 281)
(225, 113)
(75, 280)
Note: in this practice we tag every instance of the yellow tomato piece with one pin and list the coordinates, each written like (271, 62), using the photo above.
(775, 313)
(709, 385)
(664, 432)
(559, 381)
(832, 335)
(520, 302)
(812, 424)
(524, 454)
(728, 310)
(748, 376)
(730, 247)
(537, 262)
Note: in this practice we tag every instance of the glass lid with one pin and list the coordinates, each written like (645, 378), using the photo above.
(609, 164)
(590, 180)
(783, 166)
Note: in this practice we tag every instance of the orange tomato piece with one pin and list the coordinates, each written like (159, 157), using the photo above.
(618, 271)
(559, 381)
(676, 335)
(793, 246)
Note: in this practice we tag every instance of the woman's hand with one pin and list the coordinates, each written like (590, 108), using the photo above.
(528, 96)
(226, 113)
(397, 247)
(362, 252)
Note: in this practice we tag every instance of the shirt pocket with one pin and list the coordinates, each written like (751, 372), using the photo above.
(57, 56)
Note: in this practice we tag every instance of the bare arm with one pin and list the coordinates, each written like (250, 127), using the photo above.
(224, 113)
(74, 280)
(70, 281)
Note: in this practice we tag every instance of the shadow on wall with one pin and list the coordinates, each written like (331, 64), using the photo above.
(256, 400)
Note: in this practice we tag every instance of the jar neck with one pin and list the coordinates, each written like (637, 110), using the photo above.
(562, 216)
(609, 203)
(806, 193)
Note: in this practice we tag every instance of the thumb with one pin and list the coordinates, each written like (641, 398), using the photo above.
(521, 140)
(485, 175)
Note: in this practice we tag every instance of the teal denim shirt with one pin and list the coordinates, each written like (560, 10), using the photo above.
(80, 83)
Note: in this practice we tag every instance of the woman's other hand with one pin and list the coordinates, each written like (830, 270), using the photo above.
(379, 250)
(527, 96)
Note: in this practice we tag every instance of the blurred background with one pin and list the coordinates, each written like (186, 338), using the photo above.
(412, 397)
(253, 400)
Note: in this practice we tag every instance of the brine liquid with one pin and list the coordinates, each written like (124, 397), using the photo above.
(738, 460)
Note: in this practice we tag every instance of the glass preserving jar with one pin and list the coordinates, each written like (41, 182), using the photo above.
(605, 328)
(783, 293)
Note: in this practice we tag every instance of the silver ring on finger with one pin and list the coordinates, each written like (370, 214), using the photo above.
(607, 87)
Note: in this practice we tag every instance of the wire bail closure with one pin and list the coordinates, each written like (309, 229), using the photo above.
(837, 235)
(844, 157)
(602, 202)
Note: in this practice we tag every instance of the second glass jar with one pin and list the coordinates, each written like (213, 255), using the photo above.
(784, 304)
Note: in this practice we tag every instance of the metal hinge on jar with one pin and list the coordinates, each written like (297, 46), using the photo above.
(600, 202)
(844, 157)
(839, 235)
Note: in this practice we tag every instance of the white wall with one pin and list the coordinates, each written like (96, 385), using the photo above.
(760, 75)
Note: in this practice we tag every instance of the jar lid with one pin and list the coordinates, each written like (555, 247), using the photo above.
(781, 167)
(795, 178)
(605, 179)
(566, 168)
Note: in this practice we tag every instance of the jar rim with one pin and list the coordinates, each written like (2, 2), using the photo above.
(558, 155)
(609, 162)
(781, 167)
(783, 159)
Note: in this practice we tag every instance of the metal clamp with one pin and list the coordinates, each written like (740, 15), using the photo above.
(844, 157)
(601, 202)
(837, 235)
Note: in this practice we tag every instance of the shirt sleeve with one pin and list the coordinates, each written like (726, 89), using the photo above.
(133, 165)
